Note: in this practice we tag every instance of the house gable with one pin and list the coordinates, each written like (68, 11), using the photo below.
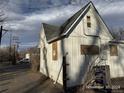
(98, 27)
(57, 33)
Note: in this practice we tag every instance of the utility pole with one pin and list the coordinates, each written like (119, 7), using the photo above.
(1, 29)
(1, 33)
(10, 48)
(15, 49)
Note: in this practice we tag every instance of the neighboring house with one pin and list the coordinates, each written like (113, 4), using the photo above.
(81, 43)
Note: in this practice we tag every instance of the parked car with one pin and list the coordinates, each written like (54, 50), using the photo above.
(24, 60)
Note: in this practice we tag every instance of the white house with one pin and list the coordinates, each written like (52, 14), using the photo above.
(69, 53)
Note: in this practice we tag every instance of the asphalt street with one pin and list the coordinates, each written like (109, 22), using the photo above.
(9, 73)
(19, 79)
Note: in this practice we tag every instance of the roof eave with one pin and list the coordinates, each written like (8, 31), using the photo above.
(55, 39)
(117, 41)
(85, 10)
(110, 34)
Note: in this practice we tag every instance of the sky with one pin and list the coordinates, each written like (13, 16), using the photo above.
(24, 17)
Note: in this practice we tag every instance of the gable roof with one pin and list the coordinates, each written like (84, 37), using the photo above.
(54, 33)
(51, 31)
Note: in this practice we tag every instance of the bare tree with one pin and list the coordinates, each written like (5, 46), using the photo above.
(118, 33)
(5, 55)
(121, 33)
(2, 16)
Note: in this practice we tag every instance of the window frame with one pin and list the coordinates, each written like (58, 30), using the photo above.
(54, 51)
(113, 50)
(88, 21)
(89, 49)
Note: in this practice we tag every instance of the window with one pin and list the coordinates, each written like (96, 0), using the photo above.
(89, 49)
(88, 18)
(88, 24)
(113, 50)
(54, 51)
(88, 21)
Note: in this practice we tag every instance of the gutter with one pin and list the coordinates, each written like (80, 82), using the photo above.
(117, 42)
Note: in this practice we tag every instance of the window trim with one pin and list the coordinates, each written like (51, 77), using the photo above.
(54, 51)
(89, 49)
(89, 21)
(115, 51)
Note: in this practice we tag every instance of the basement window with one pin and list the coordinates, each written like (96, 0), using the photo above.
(113, 50)
(89, 50)
(54, 51)
(88, 21)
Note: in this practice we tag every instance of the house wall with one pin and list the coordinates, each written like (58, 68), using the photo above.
(82, 35)
(98, 28)
(78, 63)
(116, 63)
(48, 66)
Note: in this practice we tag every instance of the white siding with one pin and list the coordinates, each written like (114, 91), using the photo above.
(50, 67)
(117, 63)
(41, 45)
(78, 63)
(55, 66)
(97, 26)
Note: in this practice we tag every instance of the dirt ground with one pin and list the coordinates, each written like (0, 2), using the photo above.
(20, 79)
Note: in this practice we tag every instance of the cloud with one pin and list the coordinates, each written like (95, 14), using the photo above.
(28, 25)
(112, 7)
(25, 18)
(112, 12)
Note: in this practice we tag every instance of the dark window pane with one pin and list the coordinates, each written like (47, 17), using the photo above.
(88, 24)
(88, 19)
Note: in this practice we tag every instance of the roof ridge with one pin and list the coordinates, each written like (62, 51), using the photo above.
(65, 23)
(45, 24)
